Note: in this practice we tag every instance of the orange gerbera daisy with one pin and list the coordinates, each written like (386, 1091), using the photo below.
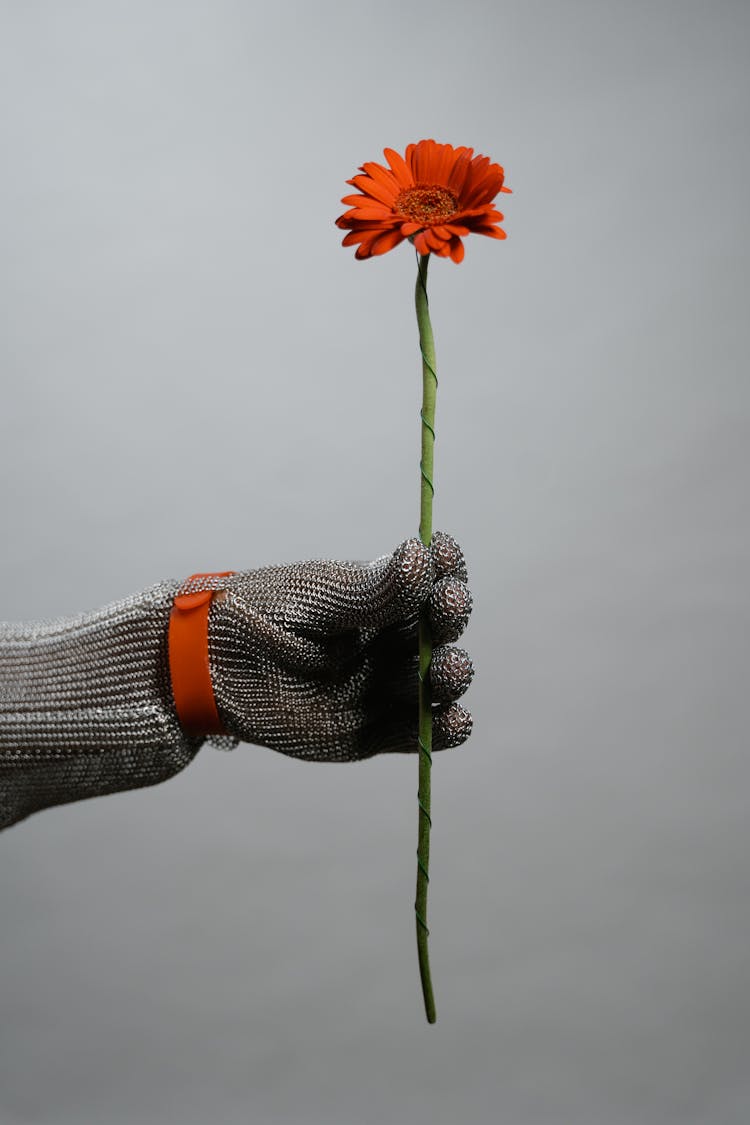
(434, 195)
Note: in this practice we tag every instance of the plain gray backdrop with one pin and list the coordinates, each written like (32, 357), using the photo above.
(196, 376)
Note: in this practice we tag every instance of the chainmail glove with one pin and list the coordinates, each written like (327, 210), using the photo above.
(317, 660)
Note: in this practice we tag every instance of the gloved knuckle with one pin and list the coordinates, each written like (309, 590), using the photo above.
(450, 607)
(447, 556)
(451, 672)
(453, 726)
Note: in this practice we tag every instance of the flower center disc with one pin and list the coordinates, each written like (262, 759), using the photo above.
(426, 204)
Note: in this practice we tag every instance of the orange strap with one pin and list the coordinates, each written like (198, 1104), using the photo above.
(188, 660)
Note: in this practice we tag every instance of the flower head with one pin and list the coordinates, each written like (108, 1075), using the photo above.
(434, 195)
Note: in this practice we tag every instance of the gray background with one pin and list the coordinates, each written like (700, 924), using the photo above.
(195, 375)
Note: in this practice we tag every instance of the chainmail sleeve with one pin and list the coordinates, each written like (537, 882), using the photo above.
(86, 706)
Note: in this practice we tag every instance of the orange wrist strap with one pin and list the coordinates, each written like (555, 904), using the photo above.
(188, 660)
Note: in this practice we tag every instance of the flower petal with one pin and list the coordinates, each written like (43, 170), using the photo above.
(460, 169)
(364, 250)
(377, 190)
(399, 167)
(434, 241)
(491, 232)
(370, 210)
(386, 241)
(420, 243)
(355, 200)
(383, 176)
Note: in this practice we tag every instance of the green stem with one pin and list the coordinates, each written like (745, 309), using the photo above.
(429, 390)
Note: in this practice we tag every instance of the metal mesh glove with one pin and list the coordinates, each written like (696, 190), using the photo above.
(315, 659)
(319, 659)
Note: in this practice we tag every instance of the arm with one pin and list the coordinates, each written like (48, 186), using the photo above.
(317, 660)
(86, 706)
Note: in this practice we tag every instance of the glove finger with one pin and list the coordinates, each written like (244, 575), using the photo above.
(377, 594)
(451, 672)
(449, 609)
(288, 649)
(447, 557)
(451, 726)
(390, 591)
(447, 562)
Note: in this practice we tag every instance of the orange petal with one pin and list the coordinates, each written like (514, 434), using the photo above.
(479, 193)
(383, 176)
(347, 216)
(368, 240)
(444, 158)
(387, 241)
(371, 210)
(443, 161)
(376, 190)
(352, 238)
(434, 241)
(482, 184)
(422, 161)
(457, 178)
(421, 244)
(456, 249)
(491, 232)
(366, 227)
(399, 167)
(355, 200)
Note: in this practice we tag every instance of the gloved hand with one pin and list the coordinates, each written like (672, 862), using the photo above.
(319, 659)
(316, 659)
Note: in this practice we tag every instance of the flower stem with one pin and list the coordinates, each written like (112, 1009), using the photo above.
(429, 390)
